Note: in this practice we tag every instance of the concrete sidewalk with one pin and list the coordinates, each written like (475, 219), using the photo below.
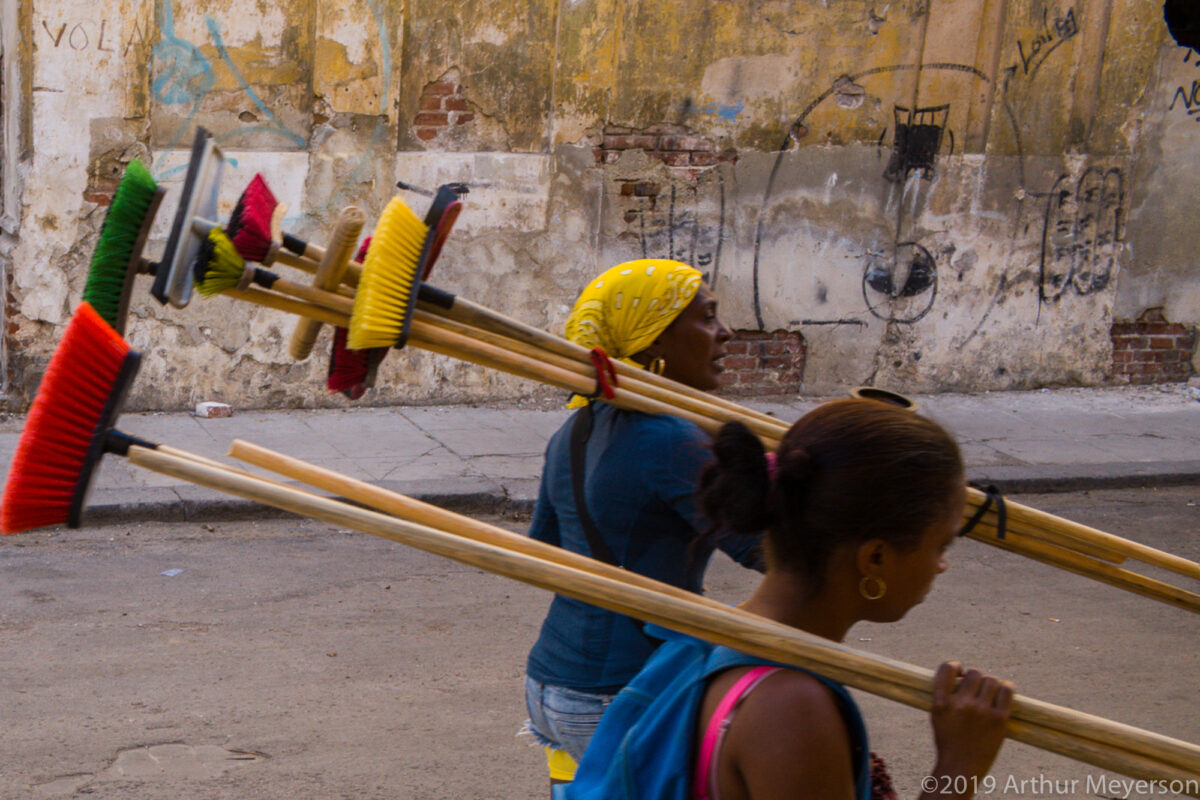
(489, 458)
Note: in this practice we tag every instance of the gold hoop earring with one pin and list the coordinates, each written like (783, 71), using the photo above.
(880, 585)
(658, 365)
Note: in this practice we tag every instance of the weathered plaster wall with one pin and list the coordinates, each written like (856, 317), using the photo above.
(936, 194)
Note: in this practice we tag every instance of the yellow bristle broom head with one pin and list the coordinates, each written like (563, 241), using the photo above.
(219, 266)
(391, 275)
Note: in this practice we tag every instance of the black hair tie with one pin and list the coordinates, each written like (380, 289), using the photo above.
(992, 495)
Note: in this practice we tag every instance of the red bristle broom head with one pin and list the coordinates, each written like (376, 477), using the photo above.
(443, 211)
(68, 425)
(250, 227)
(352, 372)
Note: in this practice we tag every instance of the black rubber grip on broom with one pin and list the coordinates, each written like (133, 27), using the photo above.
(435, 296)
(295, 244)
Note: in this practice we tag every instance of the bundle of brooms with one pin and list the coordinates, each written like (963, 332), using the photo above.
(71, 426)
(391, 307)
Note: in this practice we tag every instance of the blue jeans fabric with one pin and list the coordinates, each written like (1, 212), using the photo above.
(563, 718)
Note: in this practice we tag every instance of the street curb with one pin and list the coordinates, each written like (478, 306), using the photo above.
(1049, 478)
(1009, 480)
(219, 510)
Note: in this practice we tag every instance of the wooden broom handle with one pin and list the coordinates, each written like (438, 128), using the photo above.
(436, 517)
(329, 275)
(1132, 751)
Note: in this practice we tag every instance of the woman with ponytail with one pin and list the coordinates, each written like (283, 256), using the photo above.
(619, 486)
(859, 504)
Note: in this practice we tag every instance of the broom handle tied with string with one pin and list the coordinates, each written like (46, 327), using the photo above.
(433, 516)
(632, 381)
(329, 274)
(426, 514)
(464, 310)
(1029, 519)
(1125, 749)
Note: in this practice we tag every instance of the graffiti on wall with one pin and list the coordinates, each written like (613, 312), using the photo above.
(1185, 99)
(899, 285)
(1081, 238)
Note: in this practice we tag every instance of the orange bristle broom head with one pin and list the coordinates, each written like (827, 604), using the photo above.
(391, 277)
(249, 227)
(69, 425)
(352, 372)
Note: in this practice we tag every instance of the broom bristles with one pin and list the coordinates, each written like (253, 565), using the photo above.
(219, 266)
(352, 372)
(70, 405)
(118, 237)
(387, 288)
(250, 227)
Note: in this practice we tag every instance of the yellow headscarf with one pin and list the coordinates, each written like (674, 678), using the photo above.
(626, 308)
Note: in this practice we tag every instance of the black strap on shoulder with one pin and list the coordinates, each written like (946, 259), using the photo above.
(992, 496)
(581, 431)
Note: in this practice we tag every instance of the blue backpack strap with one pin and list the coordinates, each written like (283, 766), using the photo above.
(723, 658)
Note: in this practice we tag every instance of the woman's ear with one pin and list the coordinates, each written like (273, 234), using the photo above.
(870, 556)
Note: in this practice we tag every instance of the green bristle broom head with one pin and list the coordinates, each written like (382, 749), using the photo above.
(387, 290)
(118, 237)
(218, 265)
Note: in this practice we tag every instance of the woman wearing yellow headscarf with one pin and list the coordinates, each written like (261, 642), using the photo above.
(619, 486)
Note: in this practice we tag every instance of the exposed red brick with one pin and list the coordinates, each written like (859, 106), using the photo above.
(631, 142)
(739, 362)
(704, 159)
(425, 134)
(1162, 342)
(674, 159)
(463, 119)
(684, 143)
(626, 188)
(440, 87)
(99, 198)
(431, 118)
(457, 104)
(431, 102)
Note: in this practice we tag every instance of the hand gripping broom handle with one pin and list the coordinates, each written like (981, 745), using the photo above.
(329, 275)
(1131, 751)
(1061, 536)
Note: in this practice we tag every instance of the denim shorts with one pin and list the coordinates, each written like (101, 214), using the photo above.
(563, 718)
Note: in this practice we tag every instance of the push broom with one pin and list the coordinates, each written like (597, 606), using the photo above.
(118, 260)
(257, 238)
(118, 254)
(91, 371)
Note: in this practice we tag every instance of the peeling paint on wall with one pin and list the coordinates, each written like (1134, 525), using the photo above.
(931, 195)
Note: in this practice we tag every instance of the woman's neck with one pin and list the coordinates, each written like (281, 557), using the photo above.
(784, 598)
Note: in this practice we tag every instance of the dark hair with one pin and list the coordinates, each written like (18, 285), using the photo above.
(846, 472)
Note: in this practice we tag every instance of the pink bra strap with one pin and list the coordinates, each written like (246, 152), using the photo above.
(704, 782)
